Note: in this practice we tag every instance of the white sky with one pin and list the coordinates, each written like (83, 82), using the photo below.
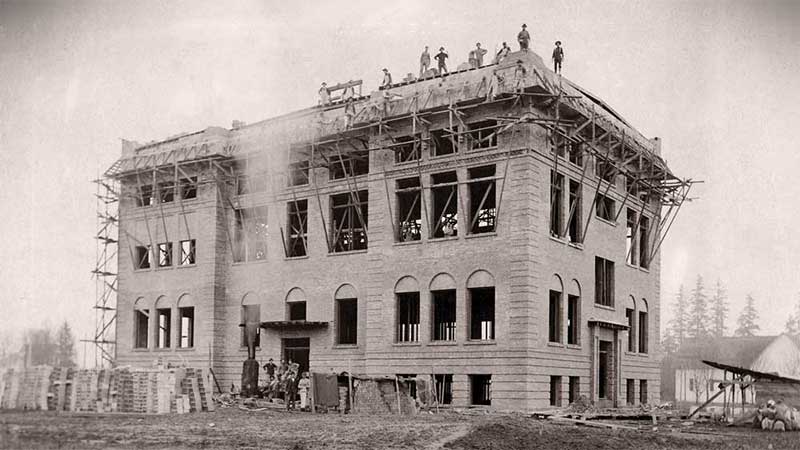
(716, 80)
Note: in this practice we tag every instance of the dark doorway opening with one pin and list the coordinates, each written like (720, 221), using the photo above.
(297, 350)
(603, 363)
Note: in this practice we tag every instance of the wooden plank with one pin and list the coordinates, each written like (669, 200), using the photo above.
(198, 401)
(588, 423)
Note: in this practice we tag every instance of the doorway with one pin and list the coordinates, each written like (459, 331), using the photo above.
(603, 364)
(297, 350)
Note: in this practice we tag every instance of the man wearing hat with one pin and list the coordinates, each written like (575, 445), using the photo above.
(558, 56)
(324, 94)
(440, 58)
(424, 61)
(504, 51)
(387, 78)
(523, 38)
(479, 52)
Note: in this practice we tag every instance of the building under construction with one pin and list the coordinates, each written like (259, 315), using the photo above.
(496, 227)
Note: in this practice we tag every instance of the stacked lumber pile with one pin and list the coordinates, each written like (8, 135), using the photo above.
(153, 390)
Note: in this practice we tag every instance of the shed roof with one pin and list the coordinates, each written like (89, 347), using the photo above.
(734, 351)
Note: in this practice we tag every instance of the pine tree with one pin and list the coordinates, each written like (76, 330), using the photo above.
(65, 346)
(793, 322)
(698, 311)
(678, 325)
(670, 342)
(747, 319)
(40, 346)
(719, 310)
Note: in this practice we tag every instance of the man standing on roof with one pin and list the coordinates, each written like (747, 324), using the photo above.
(440, 58)
(424, 62)
(503, 53)
(324, 94)
(558, 56)
(524, 38)
(479, 52)
(387, 78)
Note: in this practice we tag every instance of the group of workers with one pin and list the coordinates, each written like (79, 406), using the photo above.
(285, 381)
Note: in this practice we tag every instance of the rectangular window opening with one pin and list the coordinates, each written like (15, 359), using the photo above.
(166, 191)
(574, 389)
(555, 390)
(643, 392)
(298, 173)
(188, 188)
(250, 234)
(347, 321)
(605, 207)
(554, 323)
(481, 389)
(575, 154)
(164, 321)
(629, 316)
(188, 252)
(142, 254)
(630, 237)
(481, 315)
(630, 396)
(349, 216)
(407, 148)
(603, 281)
(573, 319)
(444, 142)
(574, 218)
(483, 134)
(444, 315)
(644, 237)
(165, 254)
(297, 226)
(349, 165)
(141, 323)
(186, 315)
(409, 209)
(145, 197)
(296, 310)
(408, 317)
(605, 170)
(444, 388)
(444, 204)
(643, 332)
(410, 381)
(556, 203)
(482, 199)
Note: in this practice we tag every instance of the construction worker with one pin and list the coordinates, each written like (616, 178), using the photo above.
(349, 113)
(472, 60)
(348, 93)
(424, 62)
(524, 38)
(558, 57)
(324, 94)
(440, 58)
(503, 53)
(387, 78)
(479, 52)
(520, 72)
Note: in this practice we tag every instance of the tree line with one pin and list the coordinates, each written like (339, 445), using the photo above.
(39, 346)
(699, 315)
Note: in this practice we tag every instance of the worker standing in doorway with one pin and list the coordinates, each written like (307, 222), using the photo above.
(479, 52)
(387, 78)
(424, 62)
(558, 57)
(440, 58)
(524, 38)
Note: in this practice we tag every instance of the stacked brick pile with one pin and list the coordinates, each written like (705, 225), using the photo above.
(379, 396)
(155, 390)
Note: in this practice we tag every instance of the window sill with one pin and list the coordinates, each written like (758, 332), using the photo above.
(186, 266)
(644, 269)
(298, 185)
(345, 346)
(555, 344)
(480, 235)
(407, 163)
(185, 349)
(162, 350)
(400, 244)
(244, 349)
(443, 343)
(142, 270)
(481, 342)
(438, 157)
(555, 238)
(606, 221)
(244, 263)
(141, 350)
(481, 149)
(293, 258)
(574, 346)
(164, 268)
(441, 239)
(637, 354)
(609, 308)
(351, 252)
(407, 344)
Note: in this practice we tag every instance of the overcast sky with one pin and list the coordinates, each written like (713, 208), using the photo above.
(716, 80)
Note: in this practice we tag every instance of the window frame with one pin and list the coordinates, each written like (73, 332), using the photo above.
(604, 282)
(191, 323)
(482, 183)
(346, 333)
(408, 307)
(191, 255)
(355, 216)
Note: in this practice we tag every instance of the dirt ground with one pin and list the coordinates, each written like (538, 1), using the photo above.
(235, 428)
